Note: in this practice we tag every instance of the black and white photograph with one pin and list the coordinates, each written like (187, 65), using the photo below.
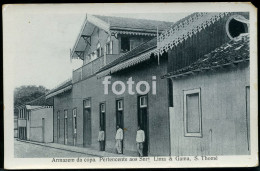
(96, 86)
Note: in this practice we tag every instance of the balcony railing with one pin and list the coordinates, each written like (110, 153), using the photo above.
(92, 67)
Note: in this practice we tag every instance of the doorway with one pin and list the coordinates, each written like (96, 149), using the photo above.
(87, 139)
(74, 126)
(102, 125)
(143, 121)
(65, 127)
(120, 117)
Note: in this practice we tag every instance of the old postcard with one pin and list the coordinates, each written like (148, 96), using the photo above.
(132, 85)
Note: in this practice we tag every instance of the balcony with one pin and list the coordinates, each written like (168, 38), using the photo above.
(92, 67)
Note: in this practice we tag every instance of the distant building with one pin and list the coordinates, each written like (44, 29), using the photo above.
(35, 120)
(16, 122)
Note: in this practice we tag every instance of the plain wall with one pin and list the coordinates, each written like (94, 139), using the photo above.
(223, 103)
(62, 102)
(36, 127)
(157, 109)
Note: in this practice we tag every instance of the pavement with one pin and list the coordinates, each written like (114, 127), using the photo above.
(79, 151)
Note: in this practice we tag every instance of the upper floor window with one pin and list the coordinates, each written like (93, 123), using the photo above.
(22, 114)
(109, 46)
(99, 50)
(28, 115)
(87, 103)
(236, 25)
(125, 44)
(93, 55)
(88, 57)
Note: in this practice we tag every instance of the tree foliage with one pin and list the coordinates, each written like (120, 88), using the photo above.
(25, 94)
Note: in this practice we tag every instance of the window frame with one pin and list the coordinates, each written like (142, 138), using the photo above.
(185, 93)
(102, 107)
(140, 104)
(84, 103)
(66, 113)
(122, 107)
(126, 39)
(109, 46)
(99, 50)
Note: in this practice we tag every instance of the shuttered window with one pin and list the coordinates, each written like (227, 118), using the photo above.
(109, 46)
(192, 113)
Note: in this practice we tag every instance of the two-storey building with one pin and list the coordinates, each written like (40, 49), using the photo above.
(122, 48)
(199, 107)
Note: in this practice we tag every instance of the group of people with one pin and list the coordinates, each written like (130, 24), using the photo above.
(140, 139)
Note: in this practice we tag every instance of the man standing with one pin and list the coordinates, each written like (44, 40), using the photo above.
(101, 139)
(119, 139)
(140, 138)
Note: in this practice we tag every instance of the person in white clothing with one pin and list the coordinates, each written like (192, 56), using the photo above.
(101, 139)
(119, 139)
(140, 138)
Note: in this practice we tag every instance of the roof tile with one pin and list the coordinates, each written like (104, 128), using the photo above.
(234, 51)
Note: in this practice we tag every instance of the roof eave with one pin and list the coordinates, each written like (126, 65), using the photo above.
(200, 70)
(95, 21)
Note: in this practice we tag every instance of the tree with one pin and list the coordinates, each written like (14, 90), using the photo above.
(25, 94)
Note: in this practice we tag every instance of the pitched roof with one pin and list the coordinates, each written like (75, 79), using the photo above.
(133, 53)
(115, 25)
(187, 27)
(123, 23)
(41, 101)
(232, 52)
(63, 85)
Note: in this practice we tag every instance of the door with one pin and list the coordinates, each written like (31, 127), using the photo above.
(102, 124)
(87, 123)
(74, 126)
(66, 127)
(120, 117)
(87, 127)
(119, 114)
(143, 121)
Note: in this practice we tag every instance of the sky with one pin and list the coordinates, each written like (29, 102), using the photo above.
(40, 43)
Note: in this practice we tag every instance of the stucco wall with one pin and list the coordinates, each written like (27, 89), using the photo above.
(157, 109)
(36, 127)
(100, 36)
(63, 102)
(223, 103)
